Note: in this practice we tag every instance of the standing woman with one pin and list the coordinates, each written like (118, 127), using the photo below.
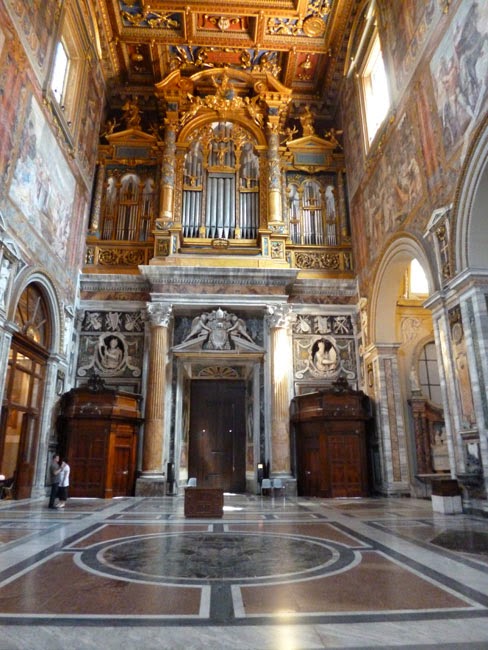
(63, 484)
(54, 476)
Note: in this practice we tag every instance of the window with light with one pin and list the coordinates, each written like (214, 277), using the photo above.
(60, 73)
(376, 96)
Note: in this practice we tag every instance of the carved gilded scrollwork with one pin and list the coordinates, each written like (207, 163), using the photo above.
(309, 260)
(121, 257)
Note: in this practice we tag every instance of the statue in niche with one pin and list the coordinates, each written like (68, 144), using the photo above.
(324, 356)
(249, 164)
(109, 355)
(111, 352)
(306, 120)
(330, 203)
(5, 269)
(132, 114)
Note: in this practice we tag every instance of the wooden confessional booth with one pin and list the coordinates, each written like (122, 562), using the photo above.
(98, 430)
(330, 430)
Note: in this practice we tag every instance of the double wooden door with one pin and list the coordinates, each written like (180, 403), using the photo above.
(331, 460)
(217, 441)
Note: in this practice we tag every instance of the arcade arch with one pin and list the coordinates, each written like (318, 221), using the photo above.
(398, 322)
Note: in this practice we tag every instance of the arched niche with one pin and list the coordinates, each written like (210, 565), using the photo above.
(387, 283)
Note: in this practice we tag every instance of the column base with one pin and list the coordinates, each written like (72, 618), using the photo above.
(153, 485)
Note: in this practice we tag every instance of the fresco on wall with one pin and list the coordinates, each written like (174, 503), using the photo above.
(353, 137)
(43, 186)
(410, 25)
(459, 70)
(396, 187)
(36, 23)
(90, 124)
(12, 82)
(2, 40)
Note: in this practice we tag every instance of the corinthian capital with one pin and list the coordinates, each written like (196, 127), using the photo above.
(159, 314)
(278, 316)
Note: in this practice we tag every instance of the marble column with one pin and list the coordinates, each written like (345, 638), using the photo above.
(47, 434)
(390, 421)
(275, 214)
(281, 356)
(5, 342)
(151, 483)
(168, 172)
(344, 225)
(97, 201)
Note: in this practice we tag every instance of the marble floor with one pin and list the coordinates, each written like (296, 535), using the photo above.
(273, 573)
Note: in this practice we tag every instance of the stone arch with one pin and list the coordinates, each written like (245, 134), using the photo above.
(53, 303)
(387, 281)
(471, 225)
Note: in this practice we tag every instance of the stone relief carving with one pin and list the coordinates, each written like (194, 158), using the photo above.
(111, 344)
(323, 347)
(110, 356)
(218, 330)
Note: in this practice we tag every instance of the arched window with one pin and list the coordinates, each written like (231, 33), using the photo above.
(32, 318)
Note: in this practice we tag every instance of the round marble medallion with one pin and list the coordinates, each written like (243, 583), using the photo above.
(198, 557)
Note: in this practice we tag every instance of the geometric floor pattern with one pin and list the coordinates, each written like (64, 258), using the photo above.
(284, 573)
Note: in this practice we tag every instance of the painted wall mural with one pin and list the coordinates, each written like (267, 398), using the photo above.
(396, 187)
(410, 25)
(43, 186)
(353, 138)
(459, 70)
(36, 22)
(12, 83)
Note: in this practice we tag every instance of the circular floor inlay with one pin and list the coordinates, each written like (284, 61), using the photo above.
(205, 556)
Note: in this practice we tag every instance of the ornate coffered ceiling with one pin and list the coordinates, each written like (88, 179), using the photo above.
(302, 43)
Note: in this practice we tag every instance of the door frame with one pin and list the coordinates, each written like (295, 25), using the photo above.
(245, 367)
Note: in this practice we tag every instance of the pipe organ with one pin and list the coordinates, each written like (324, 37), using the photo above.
(221, 179)
(221, 184)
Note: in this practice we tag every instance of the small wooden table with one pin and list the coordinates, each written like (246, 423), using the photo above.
(204, 502)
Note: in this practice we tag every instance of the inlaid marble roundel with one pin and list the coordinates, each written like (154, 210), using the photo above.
(205, 556)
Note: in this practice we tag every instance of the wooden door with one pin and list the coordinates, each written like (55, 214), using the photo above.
(312, 471)
(27, 455)
(217, 444)
(346, 465)
(122, 461)
(121, 470)
(87, 455)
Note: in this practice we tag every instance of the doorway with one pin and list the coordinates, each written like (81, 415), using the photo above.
(217, 440)
(21, 409)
